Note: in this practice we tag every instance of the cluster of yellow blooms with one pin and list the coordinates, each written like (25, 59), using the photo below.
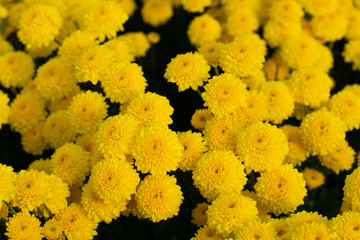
(104, 166)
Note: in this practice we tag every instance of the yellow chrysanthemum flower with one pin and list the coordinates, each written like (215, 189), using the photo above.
(43, 51)
(229, 212)
(41, 165)
(93, 64)
(211, 52)
(157, 150)
(224, 94)
(346, 105)
(27, 110)
(138, 43)
(281, 189)
(55, 79)
(5, 46)
(194, 6)
(17, 69)
(200, 118)
(203, 29)
(71, 163)
(150, 109)
(330, 27)
(193, 147)
(157, 12)
(242, 57)
(52, 229)
(75, 223)
(5, 108)
(261, 146)
(207, 233)
(276, 31)
(310, 86)
(7, 181)
(256, 39)
(63, 103)
(280, 225)
(39, 25)
(256, 230)
(353, 31)
(104, 19)
(322, 132)
(32, 189)
(220, 133)
(129, 6)
(319, 7)
(189, 70)
(120, 50)
(124, 82)
(340, 159)
(60, 193)
(297, 152)
(158, 197)
(351, 53)
(286, 10)
(153, 37)
(33, 141)
(346, 226)
(23, 226)
(96, 209)
(198, 214)
(86, 111)
(351, 193)
(70, 16)
(313, 178)
(241, 21)
(262, 211)
(281, 100)
(312, 231)
(218, 172)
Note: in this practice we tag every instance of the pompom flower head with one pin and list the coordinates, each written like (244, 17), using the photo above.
(346, 225)
(200, 118)
(23, 226)
(195, 5)
(256, 230)
(340, 159)
(158, 197)
(313, 178)
(39, 25)
(203, 29)
(7, 179)
(351, 53)
(189, 70)
(297, 152)
(5, 108)
(157, 12)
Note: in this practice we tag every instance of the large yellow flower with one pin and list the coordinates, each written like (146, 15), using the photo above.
(158, 197)
(340, 159)
(7, 179)
(256, 230)
(346, 226)
(203, 29)
(23, 226)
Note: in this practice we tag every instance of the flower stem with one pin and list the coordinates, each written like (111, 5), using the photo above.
(48, 210)
(12, 211)
(42, 214)
(216, 69)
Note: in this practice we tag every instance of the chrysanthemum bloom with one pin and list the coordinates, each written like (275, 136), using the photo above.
(27, 110)
(340, 159)
(43, 51)
(326, 62)
(220, 133)
(93, 64)
(5, 47)
(313, 178)
(275, 68)
(157, 12)
(52, 229)
(256, 39)
(193, 147)
(70, 16)
(88, 142)
(319, 7)
(281, 100)
(353, 31)
(7, 181)
(354, 88)
(17, 69)
(207, 233)
(300, 52)
(76, 224)
(346, 226)
(224, 94)
(71, 163)
(322, 132)
(60, 193)
(41, 165)
(280, 225)
(286, 10)
(203, 29)
(96, 209)
(256, 109)
(346, 105)
(189, 70)
(351, 53)
(262, 211)
(74, 45)
(63, 103)
(5, 108)
(199, 217)
(137, 42)
(32, 189)
(195, 6)
(229, 212)
(241, 21)
(297, 152)
(241, 57)
(256, 230)
(330, 27)
(310, 86)
(157, 150)
(39, 25)
(86, 111)
(276, 31)
(200, 118)
(312, 231)
(150, 109)
(281, 189)
(105, 19)
(33, 141)
(261, 146)
(158, 197)
(114, 180)
(120, 50)
(124, 82)
(23, 226)
(351, 189)
(153, 37)
(218, 172)
(211, 52)
(55, 79)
